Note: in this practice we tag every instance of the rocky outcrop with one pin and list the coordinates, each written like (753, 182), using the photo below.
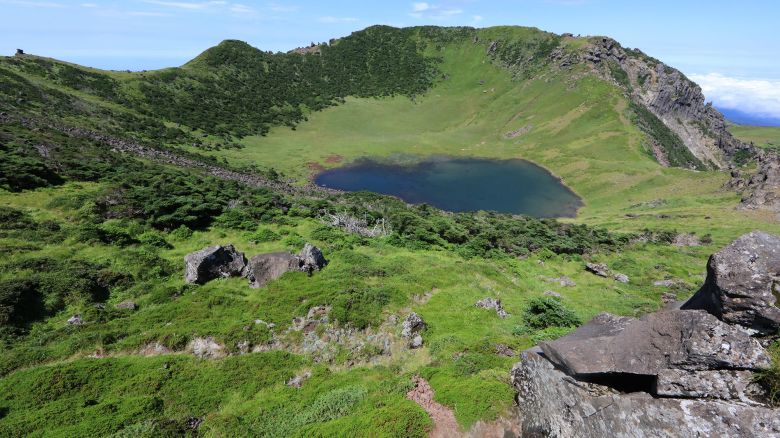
(492, 304)
(206, 348)
(761, 190)
(127, 305)
(742, 283)
(267, 267)
(213, 262)
(75, 320)
(677, 339)
(602, 270)
(670, 96)
(311, 258)
(553, 404)
(412, 329)
(674, 373)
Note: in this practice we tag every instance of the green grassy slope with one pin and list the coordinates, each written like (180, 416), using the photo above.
(123, 215)
(762, 136)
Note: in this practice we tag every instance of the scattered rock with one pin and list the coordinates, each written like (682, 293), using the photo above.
(518, 132)
(154, 349)
(412, 327)
(494, 304)
(311, 258)
(318, 312)
(504, 350)
(741, 284)
(552, 293)
(213, 262)
(623, 278)
(668, 298)
(127, 305)
(686, 239)
(75, 320)
(266, 267)
(600, 269)
(206, 348)
(563, 280)
(668, 283)
(297, 381)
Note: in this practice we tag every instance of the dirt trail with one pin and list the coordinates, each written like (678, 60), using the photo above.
(444, 423)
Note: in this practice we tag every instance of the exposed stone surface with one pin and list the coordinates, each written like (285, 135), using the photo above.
(75, 320)
(493, 304)
(127, 305)
(675, 100)
(721, 384)
(563, 281)
(622, 278)
(504, 350)
(551, 293)
(760, 191)
(297, 380)
(552, 404)
(206, 348)
(213, 262)
(411, 328)
(742, 282)
(311, 258)
(266, 267)
(600, 269)
(691, 340)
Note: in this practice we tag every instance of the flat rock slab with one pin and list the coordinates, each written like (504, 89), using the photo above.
(721, 384)
(682, 339)
(552, 404)
(742, 283)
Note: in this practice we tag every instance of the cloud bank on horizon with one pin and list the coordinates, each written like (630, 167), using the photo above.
(758, 97)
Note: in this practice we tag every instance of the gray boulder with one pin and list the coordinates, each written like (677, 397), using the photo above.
(311, 258)
(492, 304)
(689, 340)
(127, 305)
(266, 267)
(552, 404)
(413, 324)
(600, 269)
(742, 281)
(213, 262)
(75, 320)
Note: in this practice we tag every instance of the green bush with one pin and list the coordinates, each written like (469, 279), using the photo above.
(545, 312)
(264, 235)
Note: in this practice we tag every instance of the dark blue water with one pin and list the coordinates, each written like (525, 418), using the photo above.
(461, 184)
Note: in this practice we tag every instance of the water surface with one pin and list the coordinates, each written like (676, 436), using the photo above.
(461, 184)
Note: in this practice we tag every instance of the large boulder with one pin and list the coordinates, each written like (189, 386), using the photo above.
(552, 404)
(742, 282)
(678, 339)
(311, 258)
(213, 262)
(266, 267)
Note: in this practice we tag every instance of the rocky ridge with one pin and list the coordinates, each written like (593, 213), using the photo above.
(670, 96)
(685, 371)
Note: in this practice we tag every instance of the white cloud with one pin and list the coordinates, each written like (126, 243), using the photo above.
(146, 14)
(238, 8)
(186, 5)
(755, 96)
(477, 18)
(420, 7)
(329, 19)
(433, 12)
(276, 7)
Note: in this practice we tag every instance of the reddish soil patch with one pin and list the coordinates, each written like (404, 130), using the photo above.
(334, 159)
(315, 166)
(444, 423)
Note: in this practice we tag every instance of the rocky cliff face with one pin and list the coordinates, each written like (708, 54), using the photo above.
(680, 372)
(668, 95)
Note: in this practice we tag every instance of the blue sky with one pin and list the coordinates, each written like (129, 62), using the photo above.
(731, 48)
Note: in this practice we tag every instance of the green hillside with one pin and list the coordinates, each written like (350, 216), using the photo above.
(108, 179)
(762, 136)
